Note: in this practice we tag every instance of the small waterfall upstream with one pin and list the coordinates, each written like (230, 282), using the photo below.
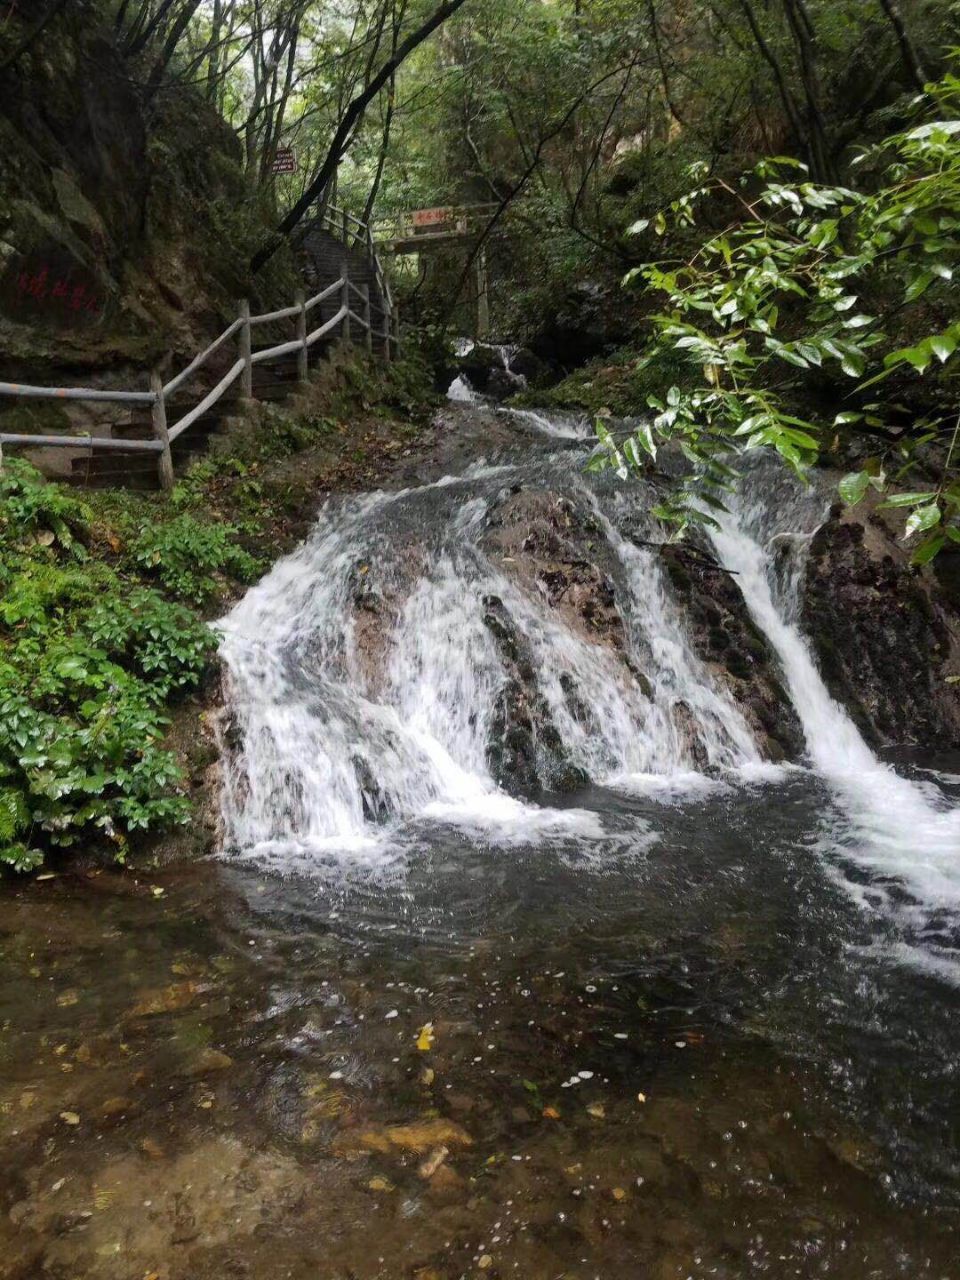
(900, 831)
(373, 674)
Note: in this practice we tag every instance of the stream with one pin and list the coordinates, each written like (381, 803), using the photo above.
(522, 958)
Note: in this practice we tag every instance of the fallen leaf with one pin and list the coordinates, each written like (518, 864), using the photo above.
(418, 1138)
(427, 1075)
(380, 1184)
(596, 1110)
(433, 1162)
(641, 1097)
(150, 1147)
(485, 1262)
(68, 998)
(618, 1193)
(69, 1117)
(425, 1038)
(551, 1113)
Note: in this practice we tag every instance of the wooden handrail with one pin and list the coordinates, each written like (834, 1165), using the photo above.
(242, 368)
(208, 401)
(201, 359)
(80, 442)
(75, 393)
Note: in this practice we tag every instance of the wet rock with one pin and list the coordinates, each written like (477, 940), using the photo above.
(376, 807)
(693, 744)
(210, 1060)
(526, 753)
(884, 633)
(723, 635)
(179, 995)
(446, 1186)
(528, 365)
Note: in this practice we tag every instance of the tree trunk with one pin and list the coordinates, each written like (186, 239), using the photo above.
(786, 95)
(908, 49)
(170, 44)
(803, 34)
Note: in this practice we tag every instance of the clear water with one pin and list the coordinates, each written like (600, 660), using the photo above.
(671, 1029)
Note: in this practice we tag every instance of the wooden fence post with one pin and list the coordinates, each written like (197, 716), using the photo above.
(386, 328)
(246, 351)
(159, 413)
(303, 355)
(367, 322)
(345, 303)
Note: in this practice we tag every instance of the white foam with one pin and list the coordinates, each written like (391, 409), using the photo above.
(893, 827)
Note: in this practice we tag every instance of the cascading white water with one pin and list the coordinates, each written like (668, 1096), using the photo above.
(897, 829)
(363, 678)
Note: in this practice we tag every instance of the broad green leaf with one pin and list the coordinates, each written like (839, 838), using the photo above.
(853, 486)
(907, 499)
(928, 549)
(922, 519)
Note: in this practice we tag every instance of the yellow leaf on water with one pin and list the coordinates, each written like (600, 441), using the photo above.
(619, 1193)
(380, 1184)
(425, 1038)
(433, 1162)
(596, 1110)
(69, 1117)
(485, 1261)
(427, 1075)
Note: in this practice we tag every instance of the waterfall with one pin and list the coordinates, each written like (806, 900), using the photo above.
(364, 678)
(379, 678)
(900, 832)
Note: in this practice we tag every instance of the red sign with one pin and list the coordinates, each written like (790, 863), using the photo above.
(285, 160)
(431, 217)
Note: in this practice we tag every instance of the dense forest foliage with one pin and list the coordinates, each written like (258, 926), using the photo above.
(738, 220)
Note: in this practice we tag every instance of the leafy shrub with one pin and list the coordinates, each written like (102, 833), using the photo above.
(186, 554)
(31, 508)
(814, 287)
(87, 661)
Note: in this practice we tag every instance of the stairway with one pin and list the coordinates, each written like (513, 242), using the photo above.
(322, 258)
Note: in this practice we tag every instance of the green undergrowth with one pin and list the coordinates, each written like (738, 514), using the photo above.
(105, 598)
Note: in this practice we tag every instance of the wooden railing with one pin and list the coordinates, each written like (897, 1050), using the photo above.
(355, 313)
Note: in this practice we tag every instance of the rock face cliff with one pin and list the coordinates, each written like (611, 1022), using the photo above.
(125, 219)
(887, 635)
